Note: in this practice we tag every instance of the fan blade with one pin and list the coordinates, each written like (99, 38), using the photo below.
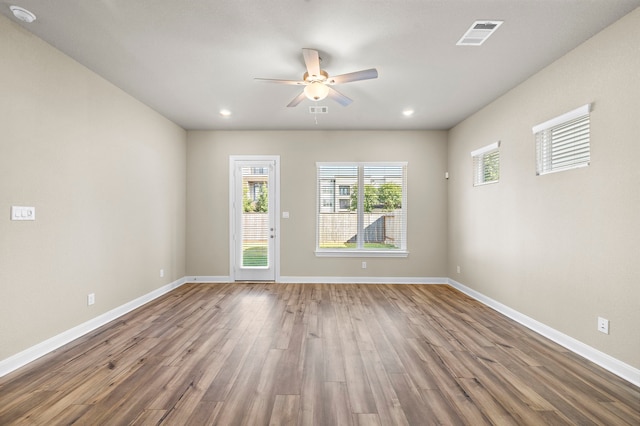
(297, 100)
(312, 61)
(275, 80)
(338, 97)
(354, 76)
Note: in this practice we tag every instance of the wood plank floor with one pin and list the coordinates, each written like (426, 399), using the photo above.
(315, 354)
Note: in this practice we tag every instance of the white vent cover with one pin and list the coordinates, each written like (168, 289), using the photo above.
(478, 33)
(318, 109)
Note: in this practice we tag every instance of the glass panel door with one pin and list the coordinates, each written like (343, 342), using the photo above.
(255, 235)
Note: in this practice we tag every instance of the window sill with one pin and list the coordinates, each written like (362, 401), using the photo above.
(486, 183)
(362, 253)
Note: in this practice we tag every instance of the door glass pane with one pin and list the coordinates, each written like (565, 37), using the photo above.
(255, 217)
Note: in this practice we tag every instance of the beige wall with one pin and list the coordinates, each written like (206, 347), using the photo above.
(110, 180)
(561, 248)
(107, 178)
(208, 195)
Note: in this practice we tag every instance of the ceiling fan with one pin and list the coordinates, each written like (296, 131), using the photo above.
(318, 83)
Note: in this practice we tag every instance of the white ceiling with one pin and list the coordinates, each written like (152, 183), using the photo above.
(188, 59)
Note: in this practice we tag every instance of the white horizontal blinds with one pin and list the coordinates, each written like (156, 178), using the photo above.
(486, 164)
(337, 209)
(383, 222)
(255, 218)
(565, 143)
(361, 206)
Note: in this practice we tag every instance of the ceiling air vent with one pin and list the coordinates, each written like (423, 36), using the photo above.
(318, 109)
(478, 33)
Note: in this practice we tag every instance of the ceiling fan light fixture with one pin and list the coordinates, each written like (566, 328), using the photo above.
(323, 76)
(316, 91)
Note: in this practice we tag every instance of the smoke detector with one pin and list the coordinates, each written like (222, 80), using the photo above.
(22, 14)
(478, 33)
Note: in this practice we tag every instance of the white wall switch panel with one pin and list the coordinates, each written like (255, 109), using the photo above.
(603, 325)
(91, 299)
(23, 213)
(285, 215)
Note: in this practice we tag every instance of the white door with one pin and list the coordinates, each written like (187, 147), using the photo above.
(254, 209)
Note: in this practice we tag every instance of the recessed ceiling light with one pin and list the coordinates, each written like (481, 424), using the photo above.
(22, 14)
(225, 112)
(408, 112)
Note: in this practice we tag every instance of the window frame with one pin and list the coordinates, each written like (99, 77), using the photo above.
(361, 251)
(479, 160)
(544, 141)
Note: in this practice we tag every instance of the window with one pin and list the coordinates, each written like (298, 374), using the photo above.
(563, 143)
(361, 209)
(486, 164)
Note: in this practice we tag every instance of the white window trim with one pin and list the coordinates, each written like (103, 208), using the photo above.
(568, 116)
(361, 253)
(402, 252)
(556, 121)
(485, 149)
(479, 153)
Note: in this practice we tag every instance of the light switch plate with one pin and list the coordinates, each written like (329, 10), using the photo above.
(603, 325)
(23, 213)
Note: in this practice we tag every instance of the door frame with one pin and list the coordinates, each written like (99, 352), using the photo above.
(275, 210)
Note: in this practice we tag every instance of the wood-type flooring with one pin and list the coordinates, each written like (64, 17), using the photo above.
(315, 354)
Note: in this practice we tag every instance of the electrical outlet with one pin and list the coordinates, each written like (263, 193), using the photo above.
(603, 325)
(161, 273)
(458, 269)
(364, 265)
(91, 299)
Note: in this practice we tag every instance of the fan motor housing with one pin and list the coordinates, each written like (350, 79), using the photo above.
(313, 78)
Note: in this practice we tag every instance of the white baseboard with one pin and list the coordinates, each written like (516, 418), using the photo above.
(207, 279)
(363, 280)
(605, 361)
(22, 358)
(329, 280)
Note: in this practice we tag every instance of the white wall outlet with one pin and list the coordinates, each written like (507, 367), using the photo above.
(458, 269)
(364, 265)
(603, 325)
(285, 215)
(91, 299)
(161, 273)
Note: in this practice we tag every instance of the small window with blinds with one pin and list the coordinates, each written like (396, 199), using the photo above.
(361, 209)
(563, 143)
(486, 164)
